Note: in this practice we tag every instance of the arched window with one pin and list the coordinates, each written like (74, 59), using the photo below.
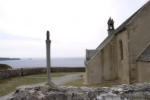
(121, 49)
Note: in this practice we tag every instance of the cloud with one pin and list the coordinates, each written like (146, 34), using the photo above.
(74, 24)
(7, 36)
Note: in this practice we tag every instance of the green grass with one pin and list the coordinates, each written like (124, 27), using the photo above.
(53, 74)
(10, 84)
(79, 83)
(4, 67)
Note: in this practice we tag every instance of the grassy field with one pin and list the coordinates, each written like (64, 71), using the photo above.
(80, 82)
(9, 85)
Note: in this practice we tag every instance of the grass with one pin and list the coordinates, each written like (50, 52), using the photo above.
(4, 67)
(10, 84)
(53, 74)
(79, 83)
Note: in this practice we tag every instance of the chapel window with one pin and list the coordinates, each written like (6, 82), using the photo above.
(121, 49)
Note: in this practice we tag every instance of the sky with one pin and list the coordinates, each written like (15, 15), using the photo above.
(74, 25)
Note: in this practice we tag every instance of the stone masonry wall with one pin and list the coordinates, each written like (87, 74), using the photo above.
(28, 71)
(120, 92)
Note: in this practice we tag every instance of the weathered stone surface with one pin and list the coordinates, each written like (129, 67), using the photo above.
(82, 93)
(125, 54)
(29, 71)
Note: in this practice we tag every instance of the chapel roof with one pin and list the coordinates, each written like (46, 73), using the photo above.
(90, 54)
(121, 28)
(145, 55)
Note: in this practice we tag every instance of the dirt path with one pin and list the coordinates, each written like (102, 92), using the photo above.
(57, 80)
(67, 78)
(63, 79)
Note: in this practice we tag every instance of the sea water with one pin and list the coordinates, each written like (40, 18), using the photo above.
(41, 62)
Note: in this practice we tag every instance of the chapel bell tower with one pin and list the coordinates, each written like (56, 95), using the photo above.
(110, 26)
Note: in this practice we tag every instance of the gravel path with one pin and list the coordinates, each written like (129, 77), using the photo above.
(63, 79)
(67, 78)
(57, 80)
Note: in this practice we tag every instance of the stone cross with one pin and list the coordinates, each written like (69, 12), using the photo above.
(48, 60)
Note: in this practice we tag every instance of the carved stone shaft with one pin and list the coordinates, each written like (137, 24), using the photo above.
(48, 45)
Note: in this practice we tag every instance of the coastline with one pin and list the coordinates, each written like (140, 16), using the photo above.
(5, 59)
(41, 62)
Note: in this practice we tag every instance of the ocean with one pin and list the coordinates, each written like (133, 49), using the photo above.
(41, 62)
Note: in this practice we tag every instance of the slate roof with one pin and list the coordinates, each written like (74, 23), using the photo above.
(90, 53)
(145, 55)
(122, 27)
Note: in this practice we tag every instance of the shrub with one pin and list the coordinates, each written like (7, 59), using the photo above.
(5, 67)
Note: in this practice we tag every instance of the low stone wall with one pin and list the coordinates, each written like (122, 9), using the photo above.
(68, 69)
(120, 92)
(9, 73)
(29, 71)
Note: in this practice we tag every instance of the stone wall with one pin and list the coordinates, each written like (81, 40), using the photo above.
(139, 39)
(109, 64)
(93, 70)
(121, 92)
(122, 57)
(143, 70)
(28, 71)
(68, 69)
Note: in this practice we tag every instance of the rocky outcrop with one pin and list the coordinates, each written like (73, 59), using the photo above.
(121, 92)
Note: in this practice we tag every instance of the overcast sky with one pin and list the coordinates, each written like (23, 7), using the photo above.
(74, 25)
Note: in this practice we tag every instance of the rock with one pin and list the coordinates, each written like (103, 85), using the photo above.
(83, 93)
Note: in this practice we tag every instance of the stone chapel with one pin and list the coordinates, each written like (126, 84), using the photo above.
(124, 55)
